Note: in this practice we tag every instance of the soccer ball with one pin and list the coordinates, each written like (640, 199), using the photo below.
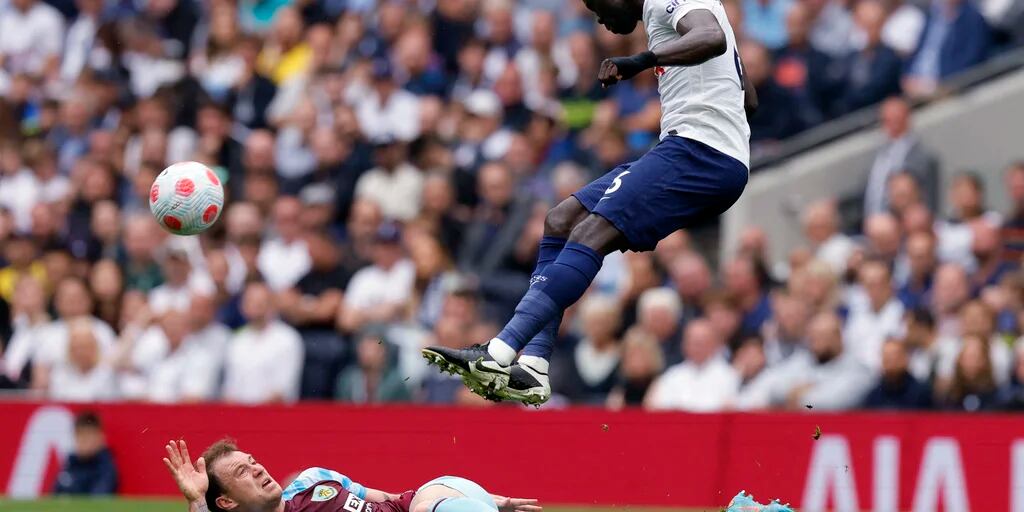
(186, 198)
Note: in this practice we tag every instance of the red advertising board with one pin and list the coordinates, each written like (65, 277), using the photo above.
(877, 462)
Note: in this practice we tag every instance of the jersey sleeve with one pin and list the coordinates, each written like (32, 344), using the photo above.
(311, 476)
(676, 9)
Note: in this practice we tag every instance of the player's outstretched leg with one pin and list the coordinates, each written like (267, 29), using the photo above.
(490, 383)
(487, 368)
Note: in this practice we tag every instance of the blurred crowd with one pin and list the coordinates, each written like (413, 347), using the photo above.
(388, 166)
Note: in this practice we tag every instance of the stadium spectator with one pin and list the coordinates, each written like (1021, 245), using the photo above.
(27, 42)
(901, 152)
(786, 332)
(821, 229)
(310, 306)
(921, 264)
(642, 362)
(742, 281)
(73, 303)
(374, 378)
(659, 314)
(802, 69)
(765, 22)
(920, 337)
(380, 292)
(870, 322)
(897, 388)
(264, 359)
(950, 291)
(824, 377)
(722, 310)
(774, 122)
(872, 72)
(937, 55)
(394, 184)
(691, 277)
(703, 382)
(967, 198)
(30, 323)
(209, 342)
(90, 468)
(973, 387)
(492, 234)
(587, 372)
(976, 319)
(283, 260)
(82, 374)
(1011, 395)
(1012, 230)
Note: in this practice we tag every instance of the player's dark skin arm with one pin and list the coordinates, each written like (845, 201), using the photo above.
(701, 39)
(749, 96)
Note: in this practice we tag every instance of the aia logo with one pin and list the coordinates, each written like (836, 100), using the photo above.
(659, 70)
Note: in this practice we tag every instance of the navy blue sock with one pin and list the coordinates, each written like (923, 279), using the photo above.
(544, 342)
(560, 285)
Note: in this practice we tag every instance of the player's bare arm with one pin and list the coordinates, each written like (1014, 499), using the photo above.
(191, 479)
(701, 39)
(749, 96)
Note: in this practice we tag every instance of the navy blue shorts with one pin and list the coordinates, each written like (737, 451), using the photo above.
(677, 184)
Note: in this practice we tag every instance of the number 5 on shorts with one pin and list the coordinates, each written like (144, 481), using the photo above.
(616, 183)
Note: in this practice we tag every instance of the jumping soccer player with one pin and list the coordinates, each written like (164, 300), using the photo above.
(227, 479)
(695, 173)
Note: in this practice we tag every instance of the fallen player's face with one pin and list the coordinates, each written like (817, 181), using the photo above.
(246, 481)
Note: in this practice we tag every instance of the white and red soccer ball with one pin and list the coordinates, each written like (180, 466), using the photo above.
(186, 198)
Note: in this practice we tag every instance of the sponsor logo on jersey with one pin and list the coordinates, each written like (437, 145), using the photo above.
(673, 5)
(324, 493)
(353, 503)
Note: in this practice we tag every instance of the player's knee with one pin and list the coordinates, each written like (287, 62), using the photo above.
(561, 219)
(597, 233)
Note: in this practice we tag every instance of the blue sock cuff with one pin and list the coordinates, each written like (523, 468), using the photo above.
(551, 241)
(581, 257)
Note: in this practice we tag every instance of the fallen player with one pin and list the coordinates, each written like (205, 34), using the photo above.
(226, 479)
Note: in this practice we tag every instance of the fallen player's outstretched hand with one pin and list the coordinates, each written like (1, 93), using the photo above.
(191, 480)
(516, 504)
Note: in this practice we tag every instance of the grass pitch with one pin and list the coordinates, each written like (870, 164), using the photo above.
(129, 505)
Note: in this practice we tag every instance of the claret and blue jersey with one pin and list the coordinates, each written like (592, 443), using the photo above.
(324, 490)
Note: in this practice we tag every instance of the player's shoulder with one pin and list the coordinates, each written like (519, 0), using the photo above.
(673, 8)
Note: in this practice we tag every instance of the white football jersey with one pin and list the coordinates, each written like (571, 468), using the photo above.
(703, 102)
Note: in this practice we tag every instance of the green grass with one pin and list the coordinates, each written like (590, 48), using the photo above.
(126, 505)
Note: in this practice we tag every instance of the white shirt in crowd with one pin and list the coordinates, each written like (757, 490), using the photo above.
(28, 39)
(52, 341)
(192, 370)
(23, 346)
(698, 388)
(836, 252)
(702, 102)
(398, 117)
(841, 383)
(263, 364)
(398, 193)
(23, 190)
(80, 37)
(955, 240)
(68, 384)
(283, 263)
(373, 286)
(866, 330)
